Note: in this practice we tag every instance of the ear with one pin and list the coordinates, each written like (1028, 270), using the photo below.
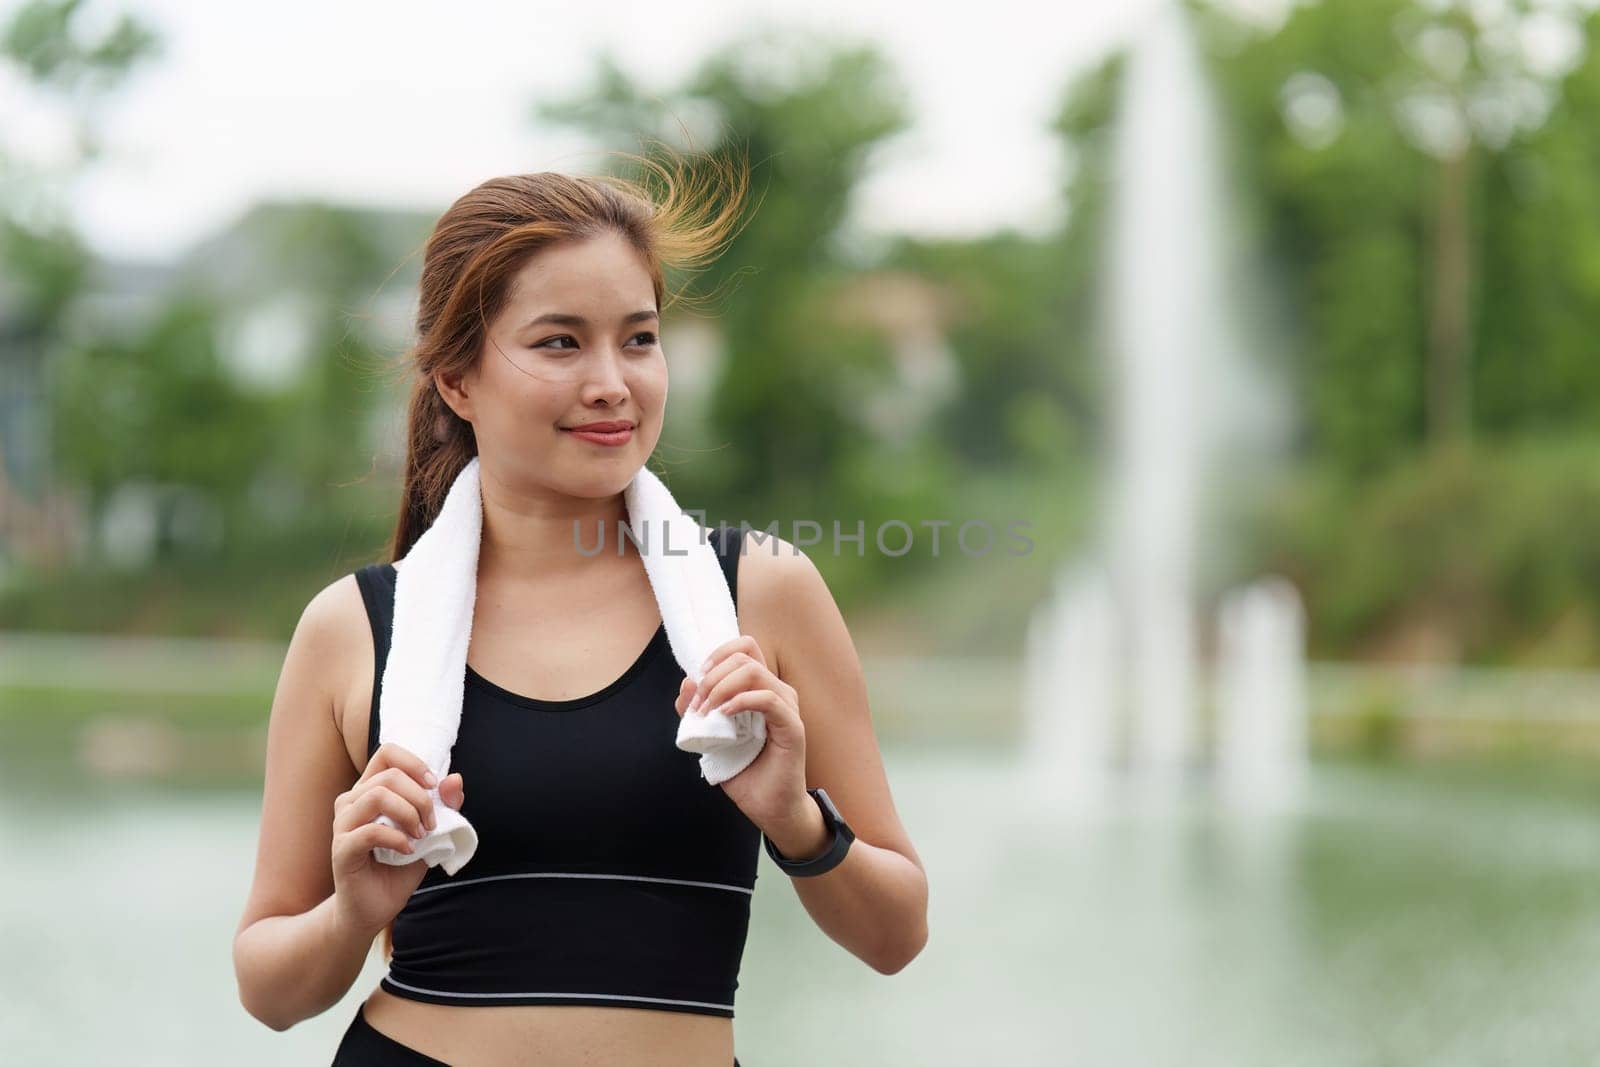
(453, 388)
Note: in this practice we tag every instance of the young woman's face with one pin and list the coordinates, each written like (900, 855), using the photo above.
(577, 342)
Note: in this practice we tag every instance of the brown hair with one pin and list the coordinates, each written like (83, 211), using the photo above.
(486, 237)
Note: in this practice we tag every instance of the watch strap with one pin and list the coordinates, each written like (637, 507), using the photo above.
(831, 856)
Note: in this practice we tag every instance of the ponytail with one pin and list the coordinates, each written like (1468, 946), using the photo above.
(439, 445)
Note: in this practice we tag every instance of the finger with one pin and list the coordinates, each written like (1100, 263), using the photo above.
(783, 721)
(404, 812)
(389, 755)
(686, 691)
(453, 791)
(713, 677)
(364, 839)
(727, 656)
(750, 647)
(734, 674)
(403, 784)
(743, 643)
(381, 800)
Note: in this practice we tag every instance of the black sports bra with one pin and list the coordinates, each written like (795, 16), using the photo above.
(608, 872)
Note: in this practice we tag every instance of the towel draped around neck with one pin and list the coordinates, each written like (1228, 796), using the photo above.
(435, 592)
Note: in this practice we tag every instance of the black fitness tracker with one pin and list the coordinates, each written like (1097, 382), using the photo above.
(831, 857)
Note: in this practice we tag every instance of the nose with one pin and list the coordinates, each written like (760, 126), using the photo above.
(607, 380)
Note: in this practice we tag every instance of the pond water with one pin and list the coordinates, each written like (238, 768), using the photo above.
(1404, 916)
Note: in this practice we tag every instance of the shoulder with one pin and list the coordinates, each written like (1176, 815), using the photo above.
(332, 639)
(336, 613)
(781, 593)
(773, 564)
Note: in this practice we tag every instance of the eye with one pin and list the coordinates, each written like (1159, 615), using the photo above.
(649, 337)
(563, 337)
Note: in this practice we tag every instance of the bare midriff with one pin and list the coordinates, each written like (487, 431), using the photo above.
(532, 1035)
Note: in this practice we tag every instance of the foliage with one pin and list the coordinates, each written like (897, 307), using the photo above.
(1474, 555)
(808, 112)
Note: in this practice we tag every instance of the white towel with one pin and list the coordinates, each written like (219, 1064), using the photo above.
(435, 590)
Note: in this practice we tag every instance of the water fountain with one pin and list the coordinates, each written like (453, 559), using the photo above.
(1124, 646)
(1069, 694)
(1261, 696)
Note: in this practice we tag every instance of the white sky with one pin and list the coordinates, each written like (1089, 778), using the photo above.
(411, 104)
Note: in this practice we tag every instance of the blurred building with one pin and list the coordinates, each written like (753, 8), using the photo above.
(42, 522)
(277, 274)
(912, 313)
(295, 285)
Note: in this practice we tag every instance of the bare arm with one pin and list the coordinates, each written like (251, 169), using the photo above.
(294, 967)
(294, 953)
(874, 903)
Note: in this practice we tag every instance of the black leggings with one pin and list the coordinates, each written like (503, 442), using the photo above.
(366, 1046)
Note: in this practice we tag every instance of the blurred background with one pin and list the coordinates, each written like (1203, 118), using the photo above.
(1272, 322)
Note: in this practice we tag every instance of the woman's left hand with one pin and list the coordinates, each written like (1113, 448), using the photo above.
(773, 786)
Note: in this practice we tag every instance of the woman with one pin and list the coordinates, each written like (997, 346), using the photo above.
(603, 917)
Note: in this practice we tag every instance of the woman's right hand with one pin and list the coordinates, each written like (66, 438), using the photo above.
(368, 892)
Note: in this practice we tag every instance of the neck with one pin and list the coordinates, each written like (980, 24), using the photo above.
(545, 533)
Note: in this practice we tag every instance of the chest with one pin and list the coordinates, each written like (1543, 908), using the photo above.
(596, 784)
(561, 645)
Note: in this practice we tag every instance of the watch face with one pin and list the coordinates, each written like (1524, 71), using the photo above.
(827, 804)
(833, 813)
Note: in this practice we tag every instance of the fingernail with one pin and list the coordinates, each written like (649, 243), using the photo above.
(429, 780)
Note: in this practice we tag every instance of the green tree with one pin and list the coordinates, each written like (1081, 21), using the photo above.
(1374, 132)
(1535, 369)
(158, 408)
(43, 261)
(809, 113)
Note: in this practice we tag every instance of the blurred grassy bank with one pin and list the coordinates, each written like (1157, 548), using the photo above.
(196, 712)
(913, 603)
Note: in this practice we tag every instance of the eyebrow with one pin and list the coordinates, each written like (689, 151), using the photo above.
(562, 319)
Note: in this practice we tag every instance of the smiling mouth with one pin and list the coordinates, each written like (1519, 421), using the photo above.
(603, 437)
